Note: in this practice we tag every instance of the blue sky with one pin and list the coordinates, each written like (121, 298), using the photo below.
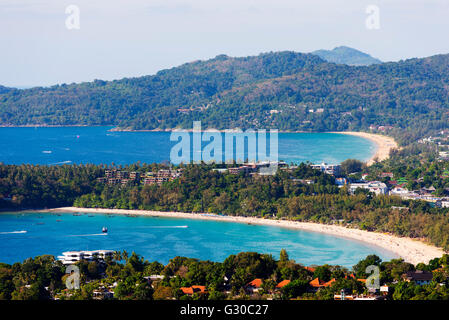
(127, 38)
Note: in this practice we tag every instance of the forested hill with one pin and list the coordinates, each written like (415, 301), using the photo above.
(346, 55)
(284, 90)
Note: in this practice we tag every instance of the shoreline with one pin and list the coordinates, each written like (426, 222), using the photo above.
(411, 250)
(384, 144)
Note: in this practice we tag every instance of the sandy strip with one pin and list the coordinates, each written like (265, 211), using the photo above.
(384, 144)
(410, 250)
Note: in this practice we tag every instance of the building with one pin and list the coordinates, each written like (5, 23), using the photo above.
(419, 277)
(333, 169)
(282, 284)
(341, 181)
(317, 283)
(71, 257)
(102, 294)
(376, 187)
(254, 286)
(193, 289)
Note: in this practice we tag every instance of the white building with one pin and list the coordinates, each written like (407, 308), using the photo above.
(333, 169)
(376, 187)
(71, 257)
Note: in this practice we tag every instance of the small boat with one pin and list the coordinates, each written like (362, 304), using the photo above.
(76, 214)
(104, 230)
(58, 220)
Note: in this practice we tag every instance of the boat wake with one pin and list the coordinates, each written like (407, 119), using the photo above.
(13, 232)
(164, 227)
(88, 235)
(62, 162)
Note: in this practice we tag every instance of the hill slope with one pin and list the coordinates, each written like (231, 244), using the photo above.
(284, 90)
(346, 55)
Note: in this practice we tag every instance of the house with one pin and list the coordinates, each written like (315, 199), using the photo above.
(398, 191)
(310, 269)
(193, 289)
(376, 187)
(282, 284)
(384, 289)
(317, 283)
(254, 286)
(341, 181)
(419, 277)
(102, 294)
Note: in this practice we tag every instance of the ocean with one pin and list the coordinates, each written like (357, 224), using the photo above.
(98, 145)
(24, 235)
(28, 235)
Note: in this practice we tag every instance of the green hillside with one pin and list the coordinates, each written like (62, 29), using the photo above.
(284, 90)
(346, 55)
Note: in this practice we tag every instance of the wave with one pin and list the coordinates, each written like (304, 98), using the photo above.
(46, 151)
(11, 232)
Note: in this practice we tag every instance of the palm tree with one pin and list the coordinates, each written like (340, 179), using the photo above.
(125, 255)
(117, 256)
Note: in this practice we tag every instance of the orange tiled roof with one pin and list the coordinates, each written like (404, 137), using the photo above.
(187, 290)
(282, 283)
(202, 289)
(192, 289)
(255, 283)
(329, 283)
(362, 280)
(316, 283)
(310, 269)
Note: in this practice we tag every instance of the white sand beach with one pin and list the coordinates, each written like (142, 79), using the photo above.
(384, 144)
(411, 250)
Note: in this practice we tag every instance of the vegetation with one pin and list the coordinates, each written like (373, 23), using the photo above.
(410, 97)
(287, 195)
(346, 55)
(130, 277)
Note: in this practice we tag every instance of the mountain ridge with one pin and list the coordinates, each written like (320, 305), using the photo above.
(286, 90)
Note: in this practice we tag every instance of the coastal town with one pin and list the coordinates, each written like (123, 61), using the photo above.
(286, 280)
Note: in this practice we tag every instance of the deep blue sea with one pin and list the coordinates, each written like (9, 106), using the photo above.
(99, 145)
(160, 239)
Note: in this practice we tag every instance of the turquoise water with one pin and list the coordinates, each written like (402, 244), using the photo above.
(160, 239)
(98, 145)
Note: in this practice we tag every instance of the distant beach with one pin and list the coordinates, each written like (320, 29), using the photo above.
(411, 250)
(384, 144)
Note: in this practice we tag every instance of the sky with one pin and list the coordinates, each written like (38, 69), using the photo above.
(42, 45)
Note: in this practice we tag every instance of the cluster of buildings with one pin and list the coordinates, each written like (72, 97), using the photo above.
(395, 187)
(71, 257)
(424, 194)
(252, 168)
(115, 177)
(376, 187)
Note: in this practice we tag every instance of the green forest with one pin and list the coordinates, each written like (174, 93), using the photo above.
(200, 189)
(283, 90)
